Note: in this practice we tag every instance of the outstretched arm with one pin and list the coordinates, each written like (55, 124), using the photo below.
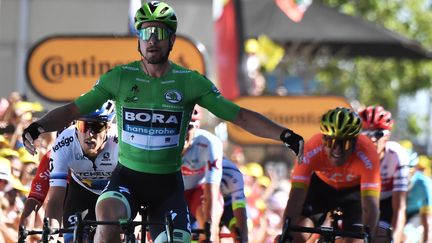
(53, 121)
(261, 126)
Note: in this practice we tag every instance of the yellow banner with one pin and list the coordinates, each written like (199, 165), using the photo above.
(301, 114)
(62, 68)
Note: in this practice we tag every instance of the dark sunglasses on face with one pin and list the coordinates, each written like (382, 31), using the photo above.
(159, 33)
(376, 133)
(96, 127)
(332, 142)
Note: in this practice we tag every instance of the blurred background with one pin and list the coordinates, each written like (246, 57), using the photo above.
(328, 52)
(290, 60)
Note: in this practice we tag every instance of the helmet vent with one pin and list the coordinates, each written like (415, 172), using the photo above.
(142, 11)
(163, 11)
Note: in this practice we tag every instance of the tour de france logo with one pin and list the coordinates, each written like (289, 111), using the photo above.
(173, 96)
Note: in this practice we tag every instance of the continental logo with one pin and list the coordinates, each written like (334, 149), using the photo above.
(303, 118)
(56, 69)
(62, 68)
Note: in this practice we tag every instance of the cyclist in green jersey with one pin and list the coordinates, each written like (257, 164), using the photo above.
(154, 100)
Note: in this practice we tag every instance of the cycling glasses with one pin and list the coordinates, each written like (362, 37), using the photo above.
(96, 127)
(159, 33)
(377, 134)
(345, 143)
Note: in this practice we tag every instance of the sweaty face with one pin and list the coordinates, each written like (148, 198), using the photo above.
(156, 49)
(338, 150)
(92, 141)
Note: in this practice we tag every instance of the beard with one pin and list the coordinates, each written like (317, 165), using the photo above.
(157, 59)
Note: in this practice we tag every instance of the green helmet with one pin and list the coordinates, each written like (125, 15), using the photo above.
(158, 12)
(341, 123)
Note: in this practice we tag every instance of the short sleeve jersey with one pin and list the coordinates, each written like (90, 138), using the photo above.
(202, 161)
(153, 113)
(40, 183)
(362, 167)
(419, 199)
(232, 185)
(394, 170)
(67, 155)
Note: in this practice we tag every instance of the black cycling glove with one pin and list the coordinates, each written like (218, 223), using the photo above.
(293, 141)
(34, 130)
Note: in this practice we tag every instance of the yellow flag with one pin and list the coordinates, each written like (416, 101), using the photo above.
(269, 53)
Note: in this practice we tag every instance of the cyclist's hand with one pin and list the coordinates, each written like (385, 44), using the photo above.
(30, 134)
(293, 141)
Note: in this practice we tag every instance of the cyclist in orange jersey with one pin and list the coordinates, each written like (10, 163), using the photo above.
(340, 169)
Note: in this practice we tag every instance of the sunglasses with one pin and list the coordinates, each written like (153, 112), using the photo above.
(332, 142)
(96, 127)
(159, 33)
(377, 134)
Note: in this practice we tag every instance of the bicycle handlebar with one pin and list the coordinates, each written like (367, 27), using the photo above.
(327, 232)
(77, 231)
(126, 225)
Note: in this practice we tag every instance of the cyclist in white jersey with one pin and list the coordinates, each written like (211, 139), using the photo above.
(87, 151)
(232, 187)
(202, 173)
(377, 125)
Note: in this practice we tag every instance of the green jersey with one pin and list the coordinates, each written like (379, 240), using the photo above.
(153, 113)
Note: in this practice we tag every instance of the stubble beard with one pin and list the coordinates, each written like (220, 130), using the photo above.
(157, 60)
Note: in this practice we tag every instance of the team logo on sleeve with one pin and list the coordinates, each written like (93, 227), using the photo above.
(173, 96)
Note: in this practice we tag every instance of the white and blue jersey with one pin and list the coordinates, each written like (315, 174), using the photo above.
(202, 161)
(232, 185)
(67, 155)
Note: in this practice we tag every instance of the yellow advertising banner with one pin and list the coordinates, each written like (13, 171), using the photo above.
(61, 68)
(299, 113)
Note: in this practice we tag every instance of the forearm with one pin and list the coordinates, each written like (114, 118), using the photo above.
(370, 216)
(54, 213)
(258, 124)
(426, 220)
(398, 218)
(31, 205)
(398, 225)
(241, 223)
(211, 211)
(54, 208)
(294, 205)
(58, 118)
